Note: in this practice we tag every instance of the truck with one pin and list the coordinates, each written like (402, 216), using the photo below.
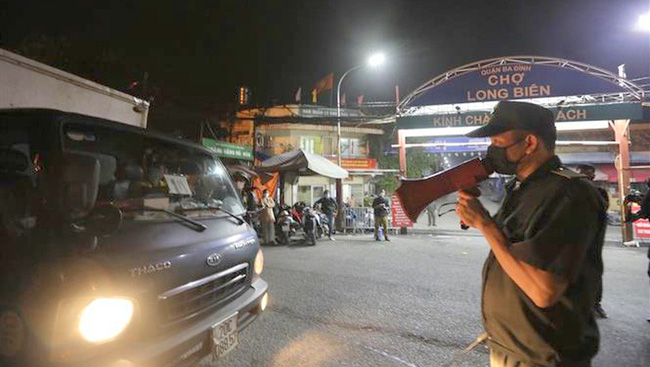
(26, 83)
(120, 246)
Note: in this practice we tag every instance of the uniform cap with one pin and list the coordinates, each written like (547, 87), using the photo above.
(509, 115)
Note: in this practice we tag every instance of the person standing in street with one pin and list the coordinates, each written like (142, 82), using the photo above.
(380, 205)
(250, 202)
(541, 276)
(590, 172)
(648, 319)
(645, 213)
(267, 218)
(329, 208)
(431, 213)
(645, 202)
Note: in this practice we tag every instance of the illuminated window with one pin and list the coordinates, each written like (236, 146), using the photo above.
(350, 147)
(307, 143)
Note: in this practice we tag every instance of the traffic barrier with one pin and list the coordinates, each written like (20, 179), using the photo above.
(362, 220)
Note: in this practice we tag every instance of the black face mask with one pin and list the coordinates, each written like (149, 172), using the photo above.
(499, 161)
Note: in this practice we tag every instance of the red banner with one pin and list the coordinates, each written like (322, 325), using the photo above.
(641, 229)
(641, 226)
(356, 163)
(400, 219)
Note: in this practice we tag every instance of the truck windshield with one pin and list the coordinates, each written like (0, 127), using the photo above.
(138, 171)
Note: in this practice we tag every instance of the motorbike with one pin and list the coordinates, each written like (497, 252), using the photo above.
(285, 227)
(296, 211)
(310, 225)
(322, 224)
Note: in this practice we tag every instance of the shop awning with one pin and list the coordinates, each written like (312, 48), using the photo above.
(602, 158)
(304, 163)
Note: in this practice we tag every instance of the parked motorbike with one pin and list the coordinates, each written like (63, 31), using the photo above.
(310, 225)
(323, 227)
(285, 227)
(296, 211)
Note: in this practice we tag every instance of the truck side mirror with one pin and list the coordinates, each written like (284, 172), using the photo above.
(13, 161)
(80, 181)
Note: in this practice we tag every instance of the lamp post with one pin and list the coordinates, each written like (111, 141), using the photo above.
(622, 161)
(643, 25)
(373, 61)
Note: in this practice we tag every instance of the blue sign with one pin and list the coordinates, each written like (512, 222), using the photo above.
(610, 111)
(457, 145)
(515, 81)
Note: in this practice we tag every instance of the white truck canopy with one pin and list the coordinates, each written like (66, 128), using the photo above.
(25, 83)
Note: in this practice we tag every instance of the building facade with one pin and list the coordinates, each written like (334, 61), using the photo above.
(276, 130)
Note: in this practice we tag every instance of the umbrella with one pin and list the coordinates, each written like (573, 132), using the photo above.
(241, 170)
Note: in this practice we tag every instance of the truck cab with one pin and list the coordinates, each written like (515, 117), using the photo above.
(120, 247)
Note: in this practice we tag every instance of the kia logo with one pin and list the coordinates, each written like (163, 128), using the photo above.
(214, 259)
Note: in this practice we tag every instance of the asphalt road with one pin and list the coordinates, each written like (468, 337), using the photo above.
(414, 301)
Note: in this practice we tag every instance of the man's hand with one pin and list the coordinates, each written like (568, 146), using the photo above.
(470, 210)
(542, 287)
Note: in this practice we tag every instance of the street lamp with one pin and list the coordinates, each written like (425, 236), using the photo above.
(374, 61)
(643, 23)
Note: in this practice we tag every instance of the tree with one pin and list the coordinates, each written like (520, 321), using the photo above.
(419, 164)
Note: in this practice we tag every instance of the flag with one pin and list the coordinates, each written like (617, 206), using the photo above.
(360, 99)
(343, 99)
(324, 84)
(314, 96)
(298, 94)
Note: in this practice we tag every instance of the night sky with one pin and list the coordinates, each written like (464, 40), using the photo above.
(198, 52)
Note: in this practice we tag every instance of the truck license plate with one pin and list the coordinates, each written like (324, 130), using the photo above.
(225, 337)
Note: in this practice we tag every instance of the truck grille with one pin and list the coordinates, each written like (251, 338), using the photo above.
(190, 299)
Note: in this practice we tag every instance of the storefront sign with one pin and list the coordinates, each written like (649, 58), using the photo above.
(633, 111)
(400, 219)
(515, 81)
(356, 163)
(228, 150)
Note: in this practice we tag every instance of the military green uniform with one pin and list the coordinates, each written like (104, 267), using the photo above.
(552, 219)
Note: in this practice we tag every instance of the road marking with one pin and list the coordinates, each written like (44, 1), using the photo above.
(387, 355)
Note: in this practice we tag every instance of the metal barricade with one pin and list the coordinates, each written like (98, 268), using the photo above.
(362, 220)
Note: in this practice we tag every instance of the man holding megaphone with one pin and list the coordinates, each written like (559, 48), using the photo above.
(540, 278)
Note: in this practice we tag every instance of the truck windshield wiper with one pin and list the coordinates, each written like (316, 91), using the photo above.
(239, 219)
(197, 226)
(218, 207)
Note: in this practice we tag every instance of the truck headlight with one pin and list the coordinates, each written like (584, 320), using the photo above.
(105, 318)
(258, 265)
